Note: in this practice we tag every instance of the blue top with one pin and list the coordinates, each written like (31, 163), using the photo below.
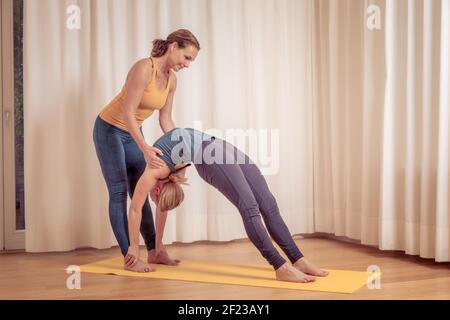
(180, 145)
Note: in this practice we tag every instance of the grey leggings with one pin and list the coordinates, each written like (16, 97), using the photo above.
(246, 188)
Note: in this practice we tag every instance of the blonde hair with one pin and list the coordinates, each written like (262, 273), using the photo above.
(182, 37)
(171, 196)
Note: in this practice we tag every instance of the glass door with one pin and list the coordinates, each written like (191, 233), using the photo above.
(12, 125)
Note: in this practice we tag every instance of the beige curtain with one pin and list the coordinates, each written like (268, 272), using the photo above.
(254, 72)
(362, 114)
(381, 124)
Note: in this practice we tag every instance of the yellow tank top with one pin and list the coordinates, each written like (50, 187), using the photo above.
(152, 99)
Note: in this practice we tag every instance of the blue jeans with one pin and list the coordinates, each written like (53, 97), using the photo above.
(245, 186)
(122, 164)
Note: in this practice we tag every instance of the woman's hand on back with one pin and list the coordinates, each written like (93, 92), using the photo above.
(152, 159)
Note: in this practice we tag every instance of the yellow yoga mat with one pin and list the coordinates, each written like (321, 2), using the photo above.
(340, 281)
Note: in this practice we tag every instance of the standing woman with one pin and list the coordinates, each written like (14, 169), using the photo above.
(119, 141)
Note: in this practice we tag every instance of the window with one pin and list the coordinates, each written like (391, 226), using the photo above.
(18, 112)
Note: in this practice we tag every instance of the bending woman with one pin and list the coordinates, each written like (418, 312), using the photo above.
(232, 172)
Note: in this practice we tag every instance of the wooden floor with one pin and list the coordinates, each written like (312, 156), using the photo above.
(43, 276)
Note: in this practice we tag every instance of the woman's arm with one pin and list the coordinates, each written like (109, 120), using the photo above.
(165, 114)
(161, 217)
(143, 186)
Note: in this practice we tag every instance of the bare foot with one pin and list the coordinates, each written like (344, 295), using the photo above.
(162, 258)
(307, 267)
(288, 273)
(140, 267)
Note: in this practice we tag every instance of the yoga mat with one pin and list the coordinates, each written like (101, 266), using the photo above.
(339, 281)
